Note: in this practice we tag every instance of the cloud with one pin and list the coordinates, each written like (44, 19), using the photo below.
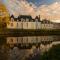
(51, 11)
(18, 7)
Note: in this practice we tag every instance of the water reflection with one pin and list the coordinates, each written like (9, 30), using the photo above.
(20, 48)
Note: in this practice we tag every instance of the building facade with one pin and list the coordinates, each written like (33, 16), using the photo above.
(26, 22)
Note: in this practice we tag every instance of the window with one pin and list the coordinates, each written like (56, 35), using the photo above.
(17, 24)
(11, 24)
(11, 40)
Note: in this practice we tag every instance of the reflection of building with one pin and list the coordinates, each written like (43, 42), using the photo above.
(27, 22)
(29, 39)
(57, 25)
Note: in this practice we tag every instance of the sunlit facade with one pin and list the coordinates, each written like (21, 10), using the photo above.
(26, 22)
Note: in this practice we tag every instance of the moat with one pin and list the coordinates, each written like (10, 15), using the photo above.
(26, 47)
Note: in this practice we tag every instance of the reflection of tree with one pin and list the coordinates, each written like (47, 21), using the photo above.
(52, 54)
(3, 49)
(2, 40)
(3, 52)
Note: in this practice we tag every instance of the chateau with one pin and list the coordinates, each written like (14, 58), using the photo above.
(27, 22)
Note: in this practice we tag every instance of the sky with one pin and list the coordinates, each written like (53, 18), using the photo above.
(39, 2)
(49, 9)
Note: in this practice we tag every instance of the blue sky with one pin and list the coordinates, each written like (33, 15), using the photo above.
(39, 2)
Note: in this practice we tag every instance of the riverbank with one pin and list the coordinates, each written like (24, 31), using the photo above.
(24, 32)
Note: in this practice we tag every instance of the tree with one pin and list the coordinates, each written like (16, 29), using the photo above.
(4, 16)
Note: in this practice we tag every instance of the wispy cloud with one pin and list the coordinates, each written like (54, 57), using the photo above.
(51, 11)
(18, 7)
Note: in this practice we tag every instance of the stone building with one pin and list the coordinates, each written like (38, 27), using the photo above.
(27, 22)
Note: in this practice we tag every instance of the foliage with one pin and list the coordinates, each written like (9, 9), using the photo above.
(52, 54)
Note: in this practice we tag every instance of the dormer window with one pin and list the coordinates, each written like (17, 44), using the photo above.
(12, 19)
(22, 20)
(36, 20)
(27, 20)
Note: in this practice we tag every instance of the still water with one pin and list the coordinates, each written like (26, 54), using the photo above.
(20, 48)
